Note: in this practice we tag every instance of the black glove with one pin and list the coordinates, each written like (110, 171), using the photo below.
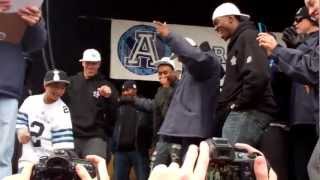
(292, 38)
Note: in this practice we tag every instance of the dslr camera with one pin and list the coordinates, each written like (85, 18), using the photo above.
(229, 163)
(60, 166)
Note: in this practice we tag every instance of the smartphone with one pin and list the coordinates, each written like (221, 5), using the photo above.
(262, 27)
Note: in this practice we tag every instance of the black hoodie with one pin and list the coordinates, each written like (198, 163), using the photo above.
(247, 78)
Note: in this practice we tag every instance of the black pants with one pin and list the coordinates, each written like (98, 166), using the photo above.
(303, 138)
(274, 144)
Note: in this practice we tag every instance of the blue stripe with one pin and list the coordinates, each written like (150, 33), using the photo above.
(61, 136)
(62, 141)
(62, 133)
(23, 114)
(21, 119)
(61, 130)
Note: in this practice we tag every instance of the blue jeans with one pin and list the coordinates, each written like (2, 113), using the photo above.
(8, 116)
(123, 161)
(245, 127)
(165, 153)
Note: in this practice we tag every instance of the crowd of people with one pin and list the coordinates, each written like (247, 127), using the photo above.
(270, 92)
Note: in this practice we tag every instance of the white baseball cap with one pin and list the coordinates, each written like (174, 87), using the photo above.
(91, 55)
(165, 61)
(227, 9)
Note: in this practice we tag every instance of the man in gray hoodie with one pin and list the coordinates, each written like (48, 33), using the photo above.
(191, 114)
(12, 74)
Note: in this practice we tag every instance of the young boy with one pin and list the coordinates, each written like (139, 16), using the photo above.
(44, 122)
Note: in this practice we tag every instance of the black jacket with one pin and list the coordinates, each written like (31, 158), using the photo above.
(92, 115)
(247, 78)
(133, 129)
(158, 106)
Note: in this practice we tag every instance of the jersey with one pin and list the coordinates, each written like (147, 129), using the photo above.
(49, 125)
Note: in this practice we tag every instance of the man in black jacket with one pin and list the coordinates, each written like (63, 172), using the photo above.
(132, 137)
(246, 91)
(92, 102)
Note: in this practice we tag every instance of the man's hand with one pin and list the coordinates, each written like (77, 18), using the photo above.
(23, 135)
(5, 5)
(99, 163)
(104, 91)
(291, 37)
(30, 14)
(162, 28)
(260, 164)
(267, 41)
(193, 168)
(164, 82)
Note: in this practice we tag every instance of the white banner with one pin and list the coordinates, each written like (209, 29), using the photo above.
(135, 47)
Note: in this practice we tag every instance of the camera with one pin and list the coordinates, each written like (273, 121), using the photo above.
(60, 166)
(228, 162)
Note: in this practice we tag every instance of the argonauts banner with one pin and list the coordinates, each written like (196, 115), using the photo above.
(135, 47)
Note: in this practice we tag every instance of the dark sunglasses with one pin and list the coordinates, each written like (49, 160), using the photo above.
(298, 19)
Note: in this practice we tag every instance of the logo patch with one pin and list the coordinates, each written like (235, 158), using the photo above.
(139, 48)
(233, 61)
(249, 59)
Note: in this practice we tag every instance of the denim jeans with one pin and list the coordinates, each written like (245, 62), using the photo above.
(123, 161)
(245, 127)
(8, 116)
(165, 153)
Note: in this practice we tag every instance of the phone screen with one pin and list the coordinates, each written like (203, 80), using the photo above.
(262, 27)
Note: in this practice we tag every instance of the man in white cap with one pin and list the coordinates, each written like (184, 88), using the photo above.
(246, 93)
(92, 102)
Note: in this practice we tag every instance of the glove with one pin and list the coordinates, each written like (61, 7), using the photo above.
(292, 38)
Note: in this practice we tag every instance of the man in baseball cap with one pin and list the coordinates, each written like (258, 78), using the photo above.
(92, 100)
(42, 118)
(246, 60)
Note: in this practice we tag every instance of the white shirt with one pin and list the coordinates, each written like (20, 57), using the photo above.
(49, 125)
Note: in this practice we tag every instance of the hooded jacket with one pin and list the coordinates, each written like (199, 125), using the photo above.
(302, 66)
(92, 115)
(192, 109)
(247, 79)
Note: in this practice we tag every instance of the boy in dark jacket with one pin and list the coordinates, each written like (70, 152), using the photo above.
(132, 137)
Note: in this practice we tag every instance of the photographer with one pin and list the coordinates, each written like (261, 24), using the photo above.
(188, 171)
(98, 162)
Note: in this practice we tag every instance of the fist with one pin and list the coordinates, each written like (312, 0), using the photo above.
(24, 135)
(104, 91)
